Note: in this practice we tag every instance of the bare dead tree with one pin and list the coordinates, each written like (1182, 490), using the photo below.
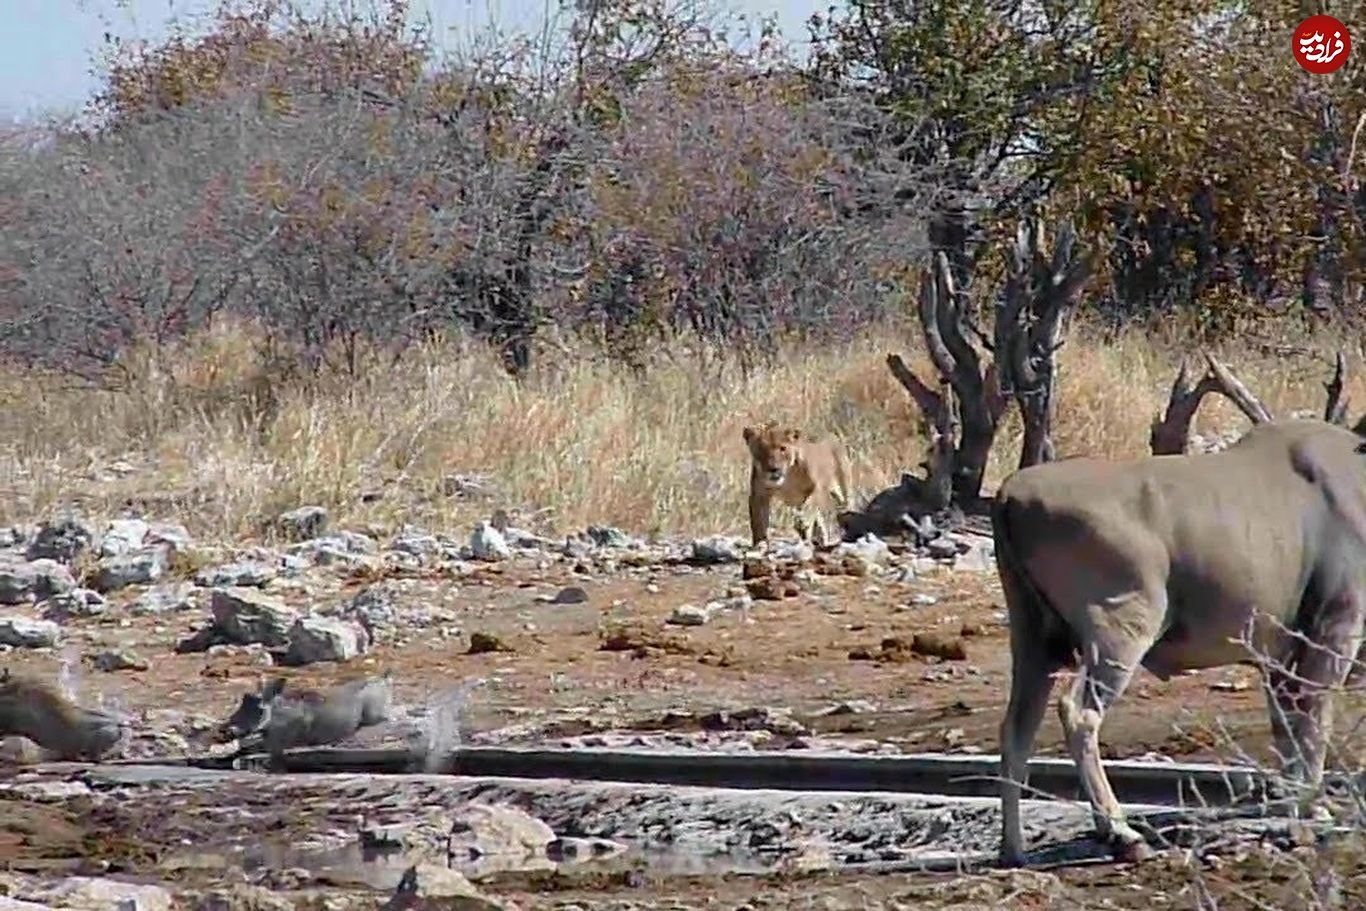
(1040, 296)
(1019, 360)
(1170, 433)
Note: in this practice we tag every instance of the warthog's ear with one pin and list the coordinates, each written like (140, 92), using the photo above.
(750, 433)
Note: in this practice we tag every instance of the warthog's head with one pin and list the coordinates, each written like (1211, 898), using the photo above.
(774, 450)
(253, 712)
(99, 732)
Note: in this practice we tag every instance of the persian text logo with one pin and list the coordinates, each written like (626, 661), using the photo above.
(1321, 44)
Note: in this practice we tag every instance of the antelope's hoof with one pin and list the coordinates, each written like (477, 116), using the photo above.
(1133, 852)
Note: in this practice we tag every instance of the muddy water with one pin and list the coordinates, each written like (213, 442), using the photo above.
(199, 823)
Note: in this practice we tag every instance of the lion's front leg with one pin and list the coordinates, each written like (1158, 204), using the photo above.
(759, 506)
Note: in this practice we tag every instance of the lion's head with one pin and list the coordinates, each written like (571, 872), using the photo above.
(774, 450)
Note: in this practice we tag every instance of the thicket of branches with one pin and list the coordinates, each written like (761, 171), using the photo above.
(641, 183)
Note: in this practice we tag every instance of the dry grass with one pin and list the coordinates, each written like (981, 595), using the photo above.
(211, 440)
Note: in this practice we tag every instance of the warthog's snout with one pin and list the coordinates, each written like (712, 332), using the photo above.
(99, 733)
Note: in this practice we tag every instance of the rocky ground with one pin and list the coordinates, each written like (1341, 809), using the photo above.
(502, 636)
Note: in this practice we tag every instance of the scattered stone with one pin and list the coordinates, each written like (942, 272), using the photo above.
(140, 567)
(758, 718)
(304, 523)
(487, 543)
(980, 557)
(23, 632)
(793, 551)
(571, 594)
(77, 604)
(483, 830)
(373, 608)
(111, 661)
(757, 568)
(170, 535)
(88, 893)
(315, 639)
(481, 643)
(123, 536)
(608, 536)
(689, 615)
(62, 540)
(944, 547)
(178, 596)
(852, 707)
(869, 548)
(248, 574)
(416, 543)
(715, 550)
(968, 630)
(17, 583)
(344, 547)
(937, 645)
(245, 616)
(428, 885)
(920, 599)
(772, 588)
(242, 897)
(36, 580)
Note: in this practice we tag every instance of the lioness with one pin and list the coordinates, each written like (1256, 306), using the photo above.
(795, 470)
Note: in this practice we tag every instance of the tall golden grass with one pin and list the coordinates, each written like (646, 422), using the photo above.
(206, 435)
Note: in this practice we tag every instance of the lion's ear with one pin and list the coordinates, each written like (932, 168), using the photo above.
(794, 434)
(749, 434)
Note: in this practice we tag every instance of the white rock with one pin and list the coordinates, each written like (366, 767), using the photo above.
(316, 639)
(870, 547)
(487, 543)
(245, 616)
(139, 567)
(22, 632)
(17, 583)
(689, 615)
(88, 893)
(123, 536)
(481, 830)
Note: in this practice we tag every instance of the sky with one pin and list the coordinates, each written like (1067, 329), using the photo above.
(47, 46)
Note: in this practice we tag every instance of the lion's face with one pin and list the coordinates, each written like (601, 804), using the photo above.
(774, 450)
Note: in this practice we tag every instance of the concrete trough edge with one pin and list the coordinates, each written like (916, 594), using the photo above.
(1134, 781)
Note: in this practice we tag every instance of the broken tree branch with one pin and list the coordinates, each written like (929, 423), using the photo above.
(1335, 409)
(926, 399)
(1170, 432)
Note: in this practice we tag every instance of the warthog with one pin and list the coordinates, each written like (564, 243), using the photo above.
(1178, 563)
(307, 718)
(33, 709)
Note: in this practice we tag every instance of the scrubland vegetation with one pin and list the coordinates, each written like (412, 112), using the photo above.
(291, 256)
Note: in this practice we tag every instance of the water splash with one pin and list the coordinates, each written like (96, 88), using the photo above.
(67, 682)
(441, 723)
